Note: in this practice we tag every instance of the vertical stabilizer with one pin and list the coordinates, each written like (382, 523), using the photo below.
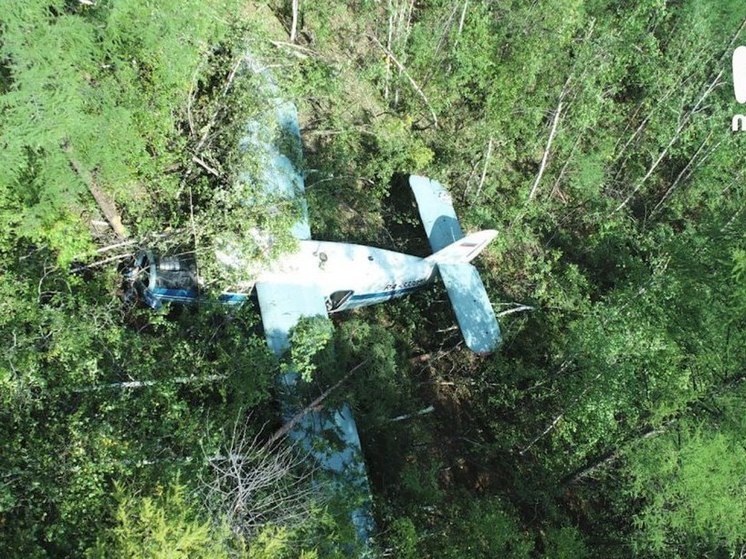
(464, 250)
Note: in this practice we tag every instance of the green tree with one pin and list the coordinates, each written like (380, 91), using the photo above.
(168, 526)
(691, 485)
(98, 89)
(480, 528)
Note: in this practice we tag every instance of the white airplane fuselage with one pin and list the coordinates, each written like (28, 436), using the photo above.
(351, 275)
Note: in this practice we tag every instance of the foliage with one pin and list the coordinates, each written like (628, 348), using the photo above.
(72, 424)
(565, 543)
(692, 490)
(309, 337)
(104, 86)
(259, 491)
(483, 529)
(403, 538)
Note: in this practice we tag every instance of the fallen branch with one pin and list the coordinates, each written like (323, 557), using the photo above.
(104, 201)
(297, 50)
(134, 384)
(199, 161)
(555, 121)
(313, 406)
(423, 411)
(102, 262)
(519, 308)
(116, 246)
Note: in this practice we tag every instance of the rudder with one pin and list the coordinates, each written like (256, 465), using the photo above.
(464, 250)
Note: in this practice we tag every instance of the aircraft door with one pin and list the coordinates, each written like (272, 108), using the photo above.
(337, 299)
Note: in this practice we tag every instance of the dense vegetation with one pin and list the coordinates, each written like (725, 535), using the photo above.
(595, 137)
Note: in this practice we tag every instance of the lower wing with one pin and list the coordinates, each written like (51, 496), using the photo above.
(329, 435)
(282, 305)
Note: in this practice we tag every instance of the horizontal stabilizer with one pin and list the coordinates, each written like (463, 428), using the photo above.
(465, 250)
(436, 210)
(472, 307)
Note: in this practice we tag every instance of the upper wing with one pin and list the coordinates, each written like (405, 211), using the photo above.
(282, 306)
(436, 210)
(280, 141)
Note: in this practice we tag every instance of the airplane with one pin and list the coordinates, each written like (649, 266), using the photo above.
(323, 277)
(345, 276)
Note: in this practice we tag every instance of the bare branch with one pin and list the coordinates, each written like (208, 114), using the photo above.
(608, 458)
(406, 74)
(214, 116)
(294, 24)
(557, 111)
(484, 169)
(681, 174)
(102, 262)
(541, 435)
(389, 38)
(314, 405)
(463, 17)
(684, 121)
(589, 384)
(253, 484)
(558, 181)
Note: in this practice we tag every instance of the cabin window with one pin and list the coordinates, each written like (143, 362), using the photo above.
(337, 299)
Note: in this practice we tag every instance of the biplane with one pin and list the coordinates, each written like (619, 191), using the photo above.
(323, 277)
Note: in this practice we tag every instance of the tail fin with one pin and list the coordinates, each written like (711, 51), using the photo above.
(464, 250)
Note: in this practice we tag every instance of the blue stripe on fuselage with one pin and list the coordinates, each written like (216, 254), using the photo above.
(384, 294)
(179, 295)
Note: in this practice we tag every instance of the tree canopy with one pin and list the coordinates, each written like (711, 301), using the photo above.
(594, 136)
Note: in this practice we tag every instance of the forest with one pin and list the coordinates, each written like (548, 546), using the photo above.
(595, 136)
